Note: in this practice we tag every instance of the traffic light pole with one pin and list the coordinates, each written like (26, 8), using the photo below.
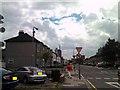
(79, 59)
(79, 70)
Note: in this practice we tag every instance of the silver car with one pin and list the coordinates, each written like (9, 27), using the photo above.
(31, 74)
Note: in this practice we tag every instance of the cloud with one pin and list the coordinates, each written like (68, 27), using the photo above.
(69, 24)
(43, 5)
(9, 12)
(92, 17)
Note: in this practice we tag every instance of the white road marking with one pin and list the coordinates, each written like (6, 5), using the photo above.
(106, 78)
(98, 78)
(82, 76)
(68, 85)
(114, 84)
(89, 78)
(104, 72)
(101, 78)
(114, 78)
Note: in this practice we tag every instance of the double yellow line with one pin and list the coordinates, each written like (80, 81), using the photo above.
(93, 87)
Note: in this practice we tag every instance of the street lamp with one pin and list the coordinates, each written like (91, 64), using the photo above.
(35, 28)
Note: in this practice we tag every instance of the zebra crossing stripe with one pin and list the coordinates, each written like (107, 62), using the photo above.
(90, 78)
(101, 78)
(98, 78)
(106, 78)
(115, 78)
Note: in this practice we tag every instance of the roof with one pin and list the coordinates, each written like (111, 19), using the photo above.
(22, 37)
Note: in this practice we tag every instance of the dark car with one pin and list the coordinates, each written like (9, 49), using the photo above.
(9, 79)
(119, 74)
(104, 64)
(31, 74)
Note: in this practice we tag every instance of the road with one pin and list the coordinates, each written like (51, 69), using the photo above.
(99, 78)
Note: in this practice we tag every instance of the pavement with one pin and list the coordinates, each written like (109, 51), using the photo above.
(75, 83)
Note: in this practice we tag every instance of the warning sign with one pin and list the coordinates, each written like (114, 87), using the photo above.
(78, 49)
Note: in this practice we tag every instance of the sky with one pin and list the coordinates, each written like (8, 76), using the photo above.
(68, 24)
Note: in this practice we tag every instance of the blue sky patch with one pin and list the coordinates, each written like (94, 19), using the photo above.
(56, 21)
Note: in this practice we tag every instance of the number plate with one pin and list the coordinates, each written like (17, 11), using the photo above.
(14, 78)
(39, 73)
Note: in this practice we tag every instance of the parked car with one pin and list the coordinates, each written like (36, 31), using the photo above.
(31, 74)
(104, 64)
(9, 79)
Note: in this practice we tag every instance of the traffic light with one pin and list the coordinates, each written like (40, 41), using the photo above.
(1, 44)
(1, 17)
(2, 29)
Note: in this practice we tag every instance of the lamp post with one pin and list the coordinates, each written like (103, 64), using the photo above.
(34, 28)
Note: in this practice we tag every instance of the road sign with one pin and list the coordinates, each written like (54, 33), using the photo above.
(78, 49)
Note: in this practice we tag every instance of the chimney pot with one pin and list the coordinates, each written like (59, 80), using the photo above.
(21, 32)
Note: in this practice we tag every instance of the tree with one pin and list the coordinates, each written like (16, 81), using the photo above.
(46, 56)
(110, 50)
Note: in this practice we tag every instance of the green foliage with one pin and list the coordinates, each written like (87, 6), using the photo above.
(46, 56)
(110, 50)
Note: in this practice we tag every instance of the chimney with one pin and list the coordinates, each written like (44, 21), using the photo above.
(21, 32)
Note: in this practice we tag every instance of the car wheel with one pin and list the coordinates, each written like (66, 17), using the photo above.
(25, 80)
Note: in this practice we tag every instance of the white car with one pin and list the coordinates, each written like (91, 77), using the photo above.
(31, 74)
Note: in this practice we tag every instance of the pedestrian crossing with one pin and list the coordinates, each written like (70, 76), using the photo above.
(101, 78)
